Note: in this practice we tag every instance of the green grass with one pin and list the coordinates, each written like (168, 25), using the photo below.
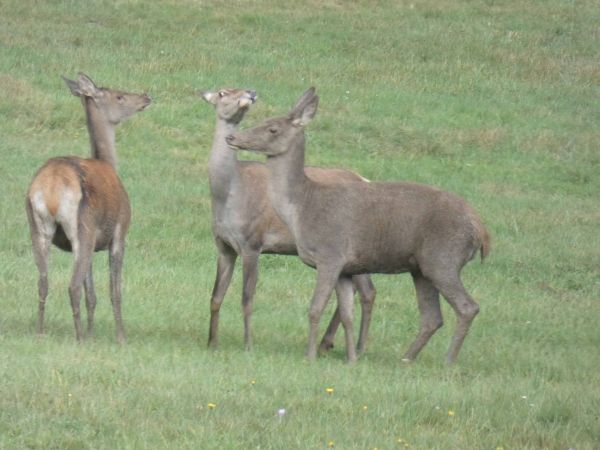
(494, 100)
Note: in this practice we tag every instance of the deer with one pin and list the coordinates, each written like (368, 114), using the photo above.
(343, 230)
(245, 224)
(80, 205)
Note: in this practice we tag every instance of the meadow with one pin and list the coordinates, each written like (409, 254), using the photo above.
(496, 100)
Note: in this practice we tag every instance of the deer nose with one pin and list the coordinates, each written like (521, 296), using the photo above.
(253, 95)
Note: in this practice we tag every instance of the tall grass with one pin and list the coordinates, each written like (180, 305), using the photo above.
(494, 100)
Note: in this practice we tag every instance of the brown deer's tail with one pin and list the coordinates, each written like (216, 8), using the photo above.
(485, 243)
(482, 238)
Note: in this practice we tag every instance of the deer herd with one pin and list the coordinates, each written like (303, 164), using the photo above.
(337, 222)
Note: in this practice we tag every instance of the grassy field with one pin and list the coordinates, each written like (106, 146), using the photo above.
(497, 101)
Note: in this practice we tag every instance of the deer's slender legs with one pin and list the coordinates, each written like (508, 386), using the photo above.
(465, 308)
(345, 297)
(428, 299)
(90, 299)
(225, 265)
(82, 253)
(367, 293)
(115, 260)
(326, 280)
(41, 239)
(327, 340)
(250, 275)
(447, 281)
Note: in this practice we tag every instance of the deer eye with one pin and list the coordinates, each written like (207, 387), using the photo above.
(273, 130)
(221, 94)
(120, 98)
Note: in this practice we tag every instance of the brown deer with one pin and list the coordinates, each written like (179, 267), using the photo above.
(245, 224)
(357, 228)
(81, 206)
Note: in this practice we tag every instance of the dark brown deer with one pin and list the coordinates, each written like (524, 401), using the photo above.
(357, 228)
(245, 224)
(81, 206)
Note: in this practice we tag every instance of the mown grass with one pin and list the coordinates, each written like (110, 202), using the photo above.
(494, 100)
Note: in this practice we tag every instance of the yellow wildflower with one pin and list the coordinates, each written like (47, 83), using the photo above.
(329, 390)
(212, 405)
(330, 444)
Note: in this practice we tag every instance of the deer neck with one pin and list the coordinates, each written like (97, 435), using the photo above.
(288, 183)
(222, 170)
(102, 134)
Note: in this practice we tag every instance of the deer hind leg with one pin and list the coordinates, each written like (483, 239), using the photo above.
(90, 299)
(326, 281)
(464, 306)
(466, 309)
(225, 265)
(345, 297)
(250, 275)
(83, 247)
(41, 239)
(428, 299)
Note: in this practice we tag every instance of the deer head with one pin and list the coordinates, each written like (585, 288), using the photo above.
(230, 104)
(275, 136)
(116, 106)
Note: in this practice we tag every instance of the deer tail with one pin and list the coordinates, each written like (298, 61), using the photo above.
(484, 250)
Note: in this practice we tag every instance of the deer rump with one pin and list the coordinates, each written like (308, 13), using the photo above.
(87, 191)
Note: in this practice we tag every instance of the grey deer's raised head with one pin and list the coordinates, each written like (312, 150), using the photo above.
(116, 106)
(230, 104)
(274, 136)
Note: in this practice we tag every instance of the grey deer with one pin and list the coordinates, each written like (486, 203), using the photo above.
(81, 206)
(356, 228)
(245, 223)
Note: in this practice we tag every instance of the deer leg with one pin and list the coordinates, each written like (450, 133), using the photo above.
(90, 299)
(41, 239)
(225, 265)
(250, 275)
(428, 299)
(327, 341)
(465, 308)
(82, 252)
(116, 252)
(367, 293)
(345, 296)
(326, 280)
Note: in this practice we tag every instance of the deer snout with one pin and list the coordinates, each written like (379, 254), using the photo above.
(230, 139)
(147, 100)
(247, 99)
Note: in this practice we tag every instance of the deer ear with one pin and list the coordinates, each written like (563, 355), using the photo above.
(301, 103)
(208, 96)
(73, 86)
(87, 86)
(308, 112)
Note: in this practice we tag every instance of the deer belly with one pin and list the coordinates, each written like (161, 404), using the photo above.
(380, 260)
